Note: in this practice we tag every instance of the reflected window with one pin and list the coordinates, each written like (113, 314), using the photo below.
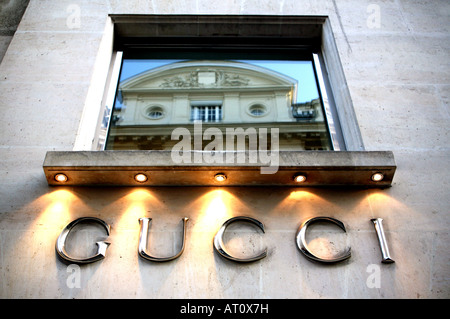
(155, 112)
(257, 110)
(155, 96)
(206, 111)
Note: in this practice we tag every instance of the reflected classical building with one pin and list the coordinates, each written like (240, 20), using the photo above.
(221, 94)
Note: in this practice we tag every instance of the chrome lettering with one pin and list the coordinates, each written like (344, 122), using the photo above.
(143, 235)
(303, 247)
(219, 245)
(101, 245)
(378, 224)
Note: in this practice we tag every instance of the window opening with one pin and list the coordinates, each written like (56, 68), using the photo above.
(155, 112)
(209, 88)
(206, 112)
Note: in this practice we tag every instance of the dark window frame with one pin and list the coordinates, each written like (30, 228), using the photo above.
(227, 37)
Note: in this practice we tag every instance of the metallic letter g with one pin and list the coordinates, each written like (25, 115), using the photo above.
(101, 245)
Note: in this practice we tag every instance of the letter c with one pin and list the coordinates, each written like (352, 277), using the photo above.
(101, 245)
(301, 240)
(219, 245)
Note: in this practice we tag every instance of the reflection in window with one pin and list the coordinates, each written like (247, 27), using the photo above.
(222, 94)
(155, 112)
(257, 110)
(206, 112)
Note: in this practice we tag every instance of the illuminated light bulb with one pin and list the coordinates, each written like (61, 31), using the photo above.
(299, 178)
(140, 178)
(220, 177)
(61, 178)
(377, 177)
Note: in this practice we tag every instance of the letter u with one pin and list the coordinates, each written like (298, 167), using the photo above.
(143, 235)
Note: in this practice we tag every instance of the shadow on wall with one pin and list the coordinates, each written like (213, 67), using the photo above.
(11, 12)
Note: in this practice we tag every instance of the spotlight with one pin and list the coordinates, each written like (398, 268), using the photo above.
(61, 178)
(140, 178)
(377, 177)
(220, 177)
(299, 178)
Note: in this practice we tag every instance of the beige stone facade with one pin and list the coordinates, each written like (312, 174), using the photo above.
(395, 57)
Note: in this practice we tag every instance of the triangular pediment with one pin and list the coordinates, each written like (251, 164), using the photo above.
(207, 75)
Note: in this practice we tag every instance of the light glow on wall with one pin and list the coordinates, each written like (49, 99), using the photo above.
(58, 204)
(139, 202)
(216, 203)
(214, 208)
(55, 211)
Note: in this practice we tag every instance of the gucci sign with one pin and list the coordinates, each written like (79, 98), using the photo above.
(218, 243)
